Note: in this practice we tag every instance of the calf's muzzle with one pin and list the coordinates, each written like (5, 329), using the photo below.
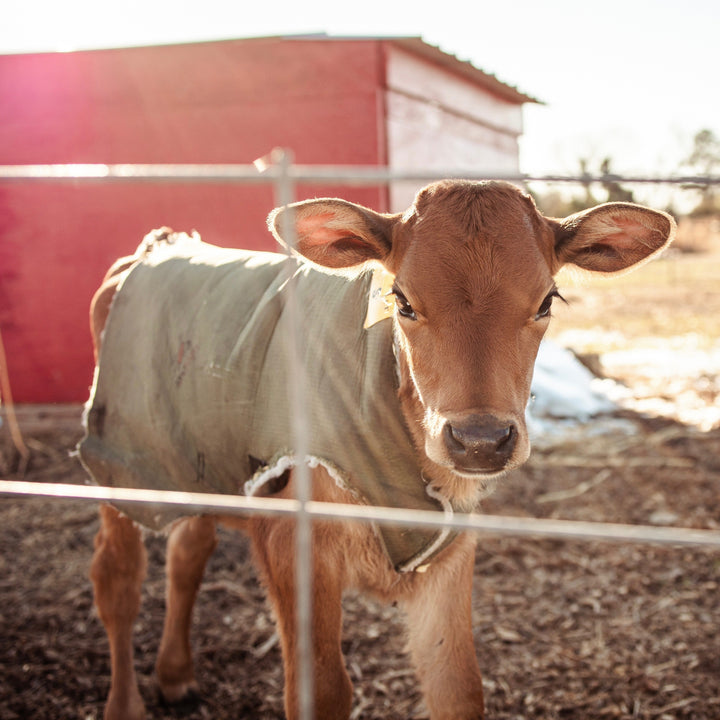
(480, 443)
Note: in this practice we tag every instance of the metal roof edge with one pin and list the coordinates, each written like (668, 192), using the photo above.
(464, 68)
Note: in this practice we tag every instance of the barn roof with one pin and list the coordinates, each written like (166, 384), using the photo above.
(465, 68)
(452, 63)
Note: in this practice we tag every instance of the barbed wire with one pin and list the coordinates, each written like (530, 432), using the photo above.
(264, 171)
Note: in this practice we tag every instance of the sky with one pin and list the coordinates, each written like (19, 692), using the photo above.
(630, 79)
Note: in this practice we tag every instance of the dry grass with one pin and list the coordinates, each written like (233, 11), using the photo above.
(674, 295)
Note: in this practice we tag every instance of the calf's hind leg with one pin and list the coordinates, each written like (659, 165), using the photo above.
(191, 542)
(117, 571)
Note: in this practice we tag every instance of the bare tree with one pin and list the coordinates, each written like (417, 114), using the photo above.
(616, 192)
(705, 160)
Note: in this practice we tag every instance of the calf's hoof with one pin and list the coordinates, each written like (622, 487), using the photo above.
(185, 696)
(181, 692)
(176, 678)
(129, 708)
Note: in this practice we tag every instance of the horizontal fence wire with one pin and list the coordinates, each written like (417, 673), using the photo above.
(217, 504)
(266, 170)
(278, 169)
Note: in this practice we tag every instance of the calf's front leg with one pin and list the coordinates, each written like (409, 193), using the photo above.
(440, 637)
(117, 572)
(274, 545)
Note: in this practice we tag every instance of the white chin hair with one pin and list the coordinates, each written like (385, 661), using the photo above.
(485, 484)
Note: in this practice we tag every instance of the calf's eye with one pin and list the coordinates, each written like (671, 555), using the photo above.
(404, 308)
(544, 309)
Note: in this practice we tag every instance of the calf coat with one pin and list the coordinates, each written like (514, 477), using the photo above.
(193, 394)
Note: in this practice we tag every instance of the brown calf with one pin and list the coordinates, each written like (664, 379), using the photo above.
(473, 266)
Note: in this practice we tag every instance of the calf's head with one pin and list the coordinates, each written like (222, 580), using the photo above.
(473, 266)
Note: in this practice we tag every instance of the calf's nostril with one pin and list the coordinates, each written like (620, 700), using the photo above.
(455, 436)
(507, 436)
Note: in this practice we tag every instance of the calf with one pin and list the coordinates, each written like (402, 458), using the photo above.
(423, 409)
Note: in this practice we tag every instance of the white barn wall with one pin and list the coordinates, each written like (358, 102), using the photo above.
(438, 120)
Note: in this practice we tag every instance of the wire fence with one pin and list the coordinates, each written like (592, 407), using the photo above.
(279, 170)
(273, 168)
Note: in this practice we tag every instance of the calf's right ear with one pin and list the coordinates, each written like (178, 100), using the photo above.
(333, 233)
(612, 237)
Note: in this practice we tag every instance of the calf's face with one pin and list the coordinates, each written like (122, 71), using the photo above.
(473, 266)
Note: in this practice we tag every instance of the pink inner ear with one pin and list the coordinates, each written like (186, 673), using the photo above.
(314, 230)
(630, 232)
(627, 235)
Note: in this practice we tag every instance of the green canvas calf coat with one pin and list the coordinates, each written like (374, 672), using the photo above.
(192, 386)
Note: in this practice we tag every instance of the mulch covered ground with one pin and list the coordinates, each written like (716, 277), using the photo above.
(563, 629)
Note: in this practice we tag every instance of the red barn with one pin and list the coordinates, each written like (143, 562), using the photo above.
(395, 102)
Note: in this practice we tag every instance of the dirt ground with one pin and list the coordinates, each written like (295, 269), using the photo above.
(563, 629)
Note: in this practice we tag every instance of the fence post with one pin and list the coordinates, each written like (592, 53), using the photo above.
(284, 195)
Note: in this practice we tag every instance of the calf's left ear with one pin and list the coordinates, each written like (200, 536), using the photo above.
(333, 233)
(612, 237)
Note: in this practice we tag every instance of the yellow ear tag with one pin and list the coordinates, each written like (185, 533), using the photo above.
(381, 302)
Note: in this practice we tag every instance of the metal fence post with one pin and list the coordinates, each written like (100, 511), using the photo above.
(284, 195)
